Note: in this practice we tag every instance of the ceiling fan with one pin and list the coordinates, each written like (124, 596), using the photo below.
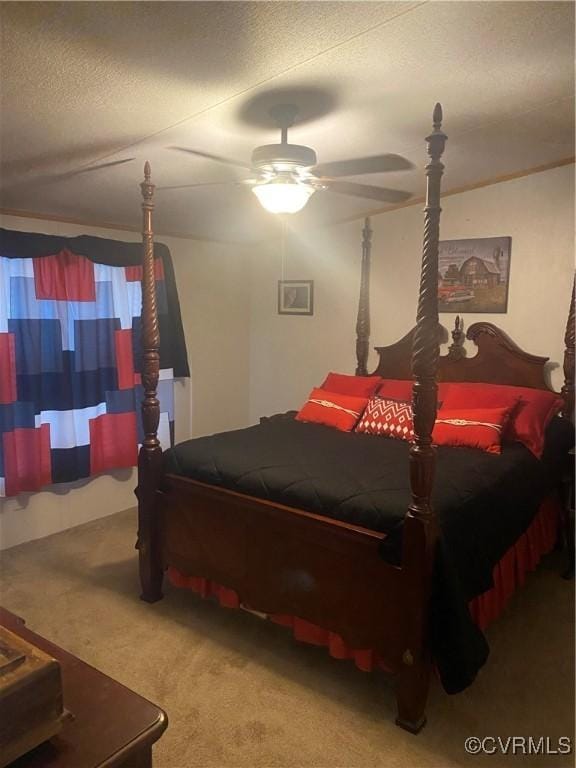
(285, 176)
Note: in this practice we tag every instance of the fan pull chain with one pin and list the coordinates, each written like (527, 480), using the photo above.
(283, 249)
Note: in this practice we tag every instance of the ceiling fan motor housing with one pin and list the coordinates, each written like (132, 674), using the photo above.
(276, 157)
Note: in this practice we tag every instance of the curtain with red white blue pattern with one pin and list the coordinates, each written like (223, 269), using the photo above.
(70, 389)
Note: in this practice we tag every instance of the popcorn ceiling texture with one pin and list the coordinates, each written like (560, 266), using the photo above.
(241, 693)
(84, 82)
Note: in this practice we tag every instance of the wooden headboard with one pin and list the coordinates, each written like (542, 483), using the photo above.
(499, 360)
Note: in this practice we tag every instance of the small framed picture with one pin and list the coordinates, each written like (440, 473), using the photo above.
(295, 297)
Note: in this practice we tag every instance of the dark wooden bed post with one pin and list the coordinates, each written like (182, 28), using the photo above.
(569, 362)
(150, 457)
(420, 526)
(363, 320)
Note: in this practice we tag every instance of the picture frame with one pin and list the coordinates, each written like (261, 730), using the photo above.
(295, 297)
(474, 275)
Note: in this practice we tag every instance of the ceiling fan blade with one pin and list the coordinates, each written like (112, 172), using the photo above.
(50, 177)
(99, 167)
(362, 165)
(366, 190)
(216, 158)
(244, 182)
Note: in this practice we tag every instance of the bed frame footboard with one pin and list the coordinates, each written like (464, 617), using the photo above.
(281, 560)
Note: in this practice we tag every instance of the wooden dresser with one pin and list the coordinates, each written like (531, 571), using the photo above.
(109, 725)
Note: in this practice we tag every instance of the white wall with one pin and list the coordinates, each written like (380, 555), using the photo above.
(214, 307)
(289, 355)
(214, 300)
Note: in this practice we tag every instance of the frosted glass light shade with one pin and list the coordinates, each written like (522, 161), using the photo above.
(279, 196)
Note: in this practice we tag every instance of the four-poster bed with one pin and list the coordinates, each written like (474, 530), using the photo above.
(329, 571)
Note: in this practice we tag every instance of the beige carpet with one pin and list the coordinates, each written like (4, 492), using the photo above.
(240, 692)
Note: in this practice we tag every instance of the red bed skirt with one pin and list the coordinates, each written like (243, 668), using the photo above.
(509, 574)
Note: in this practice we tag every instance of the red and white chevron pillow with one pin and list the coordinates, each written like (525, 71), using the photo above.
(390, 418)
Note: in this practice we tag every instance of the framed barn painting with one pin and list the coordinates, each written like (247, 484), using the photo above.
(473, 275)
(295, 297)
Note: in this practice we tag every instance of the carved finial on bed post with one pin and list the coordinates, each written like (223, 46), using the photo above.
(569, 361)
(363, 320)
(150, 457)
(456, 350)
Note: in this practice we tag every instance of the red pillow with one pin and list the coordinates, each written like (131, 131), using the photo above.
(472, 428)
(396, 389)
(532, 408)
(401, 389)
(332, 409)
(358, 386)
(391, 418)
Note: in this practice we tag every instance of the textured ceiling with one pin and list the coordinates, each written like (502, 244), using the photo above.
(88, 83)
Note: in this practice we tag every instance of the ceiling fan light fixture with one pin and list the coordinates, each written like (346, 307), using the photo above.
(283, 195)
